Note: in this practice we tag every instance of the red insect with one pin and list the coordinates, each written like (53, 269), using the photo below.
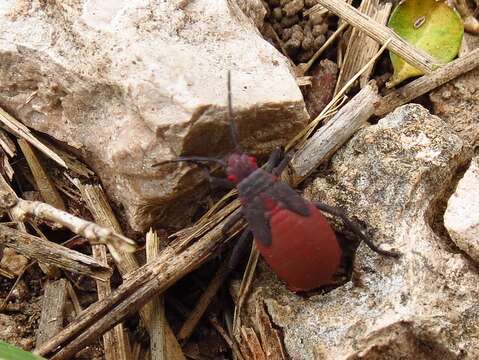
(291, 234)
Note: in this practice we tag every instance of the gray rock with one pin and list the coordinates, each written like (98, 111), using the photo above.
(423, 305)
(129, 83)
(461, 218)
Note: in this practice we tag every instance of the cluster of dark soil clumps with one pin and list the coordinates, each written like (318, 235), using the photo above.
(301, 34)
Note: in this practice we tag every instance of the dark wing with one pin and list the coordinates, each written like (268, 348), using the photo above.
(258, 222)
(288, 198)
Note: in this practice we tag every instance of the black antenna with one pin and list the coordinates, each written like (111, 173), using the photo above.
(191, 159)
(233, 130)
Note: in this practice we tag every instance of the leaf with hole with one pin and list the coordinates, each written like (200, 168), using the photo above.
(429, 25)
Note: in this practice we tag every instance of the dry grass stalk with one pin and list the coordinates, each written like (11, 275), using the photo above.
(20, 130)
(52, 253)
(138, 288)
(251, 342)
(318, 53)
(7, 274)
(51, 320)
(382, 34)
(158, 320)
(207, 222)
(361, 47)
(74, 298)
(427, 83)
(97, 203)
(269, 336)
(114, 343)
(43, 182)
(335, 133)
(7, 144)
(332, 106)
(205, 300)
(72, 162)
(244, 288)
(315, 9)
(237, 355)
(7, 168)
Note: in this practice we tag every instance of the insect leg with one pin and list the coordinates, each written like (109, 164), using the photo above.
(282, 165)
(354, 228)
(274, 159)
(239, 249)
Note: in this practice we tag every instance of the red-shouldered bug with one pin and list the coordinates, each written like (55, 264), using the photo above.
(291, 234)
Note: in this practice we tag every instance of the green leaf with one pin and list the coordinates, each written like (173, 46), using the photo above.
(429, 25)
(9, 352)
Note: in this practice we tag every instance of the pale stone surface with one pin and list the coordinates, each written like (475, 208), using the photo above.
(461, 218)
(425, 304)
(129, 83)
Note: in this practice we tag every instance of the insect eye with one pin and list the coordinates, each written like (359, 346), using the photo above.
(232, 178)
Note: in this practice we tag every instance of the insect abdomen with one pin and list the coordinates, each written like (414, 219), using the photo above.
(304, 253)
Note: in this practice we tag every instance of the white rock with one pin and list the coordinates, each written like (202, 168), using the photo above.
(461, 218)
(130, 83)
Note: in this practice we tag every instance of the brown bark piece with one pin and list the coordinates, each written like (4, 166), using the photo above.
(51, 320)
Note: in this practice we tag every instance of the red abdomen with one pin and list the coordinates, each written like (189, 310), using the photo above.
(304, 253)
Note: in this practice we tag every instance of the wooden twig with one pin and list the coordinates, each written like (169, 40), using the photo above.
(138, 288)
(234, 348)
(197, 313)
(17, 128)
(74, 298)
(335, 133)
(251, 341)
(7, 274)
(20, 210)
(270, 339)
(43, 182)
(114, 342)
(97, 203)
(427, 83)
(7, 144)
(51, 320)
(52, 253)
(244, 288)
(158, 320)
(413, 56)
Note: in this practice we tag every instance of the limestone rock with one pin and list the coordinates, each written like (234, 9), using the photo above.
(129, 83)
(462, 214)
(424, 305)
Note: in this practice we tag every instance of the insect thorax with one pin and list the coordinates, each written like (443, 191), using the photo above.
(256, 183)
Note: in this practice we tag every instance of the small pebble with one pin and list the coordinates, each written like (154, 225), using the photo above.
(289, 21)
(316, 18)
(277, 13)
(294, 7)
(286, 35)
(319, 41)
(307, 43)
(310, 3)
(319, 29)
